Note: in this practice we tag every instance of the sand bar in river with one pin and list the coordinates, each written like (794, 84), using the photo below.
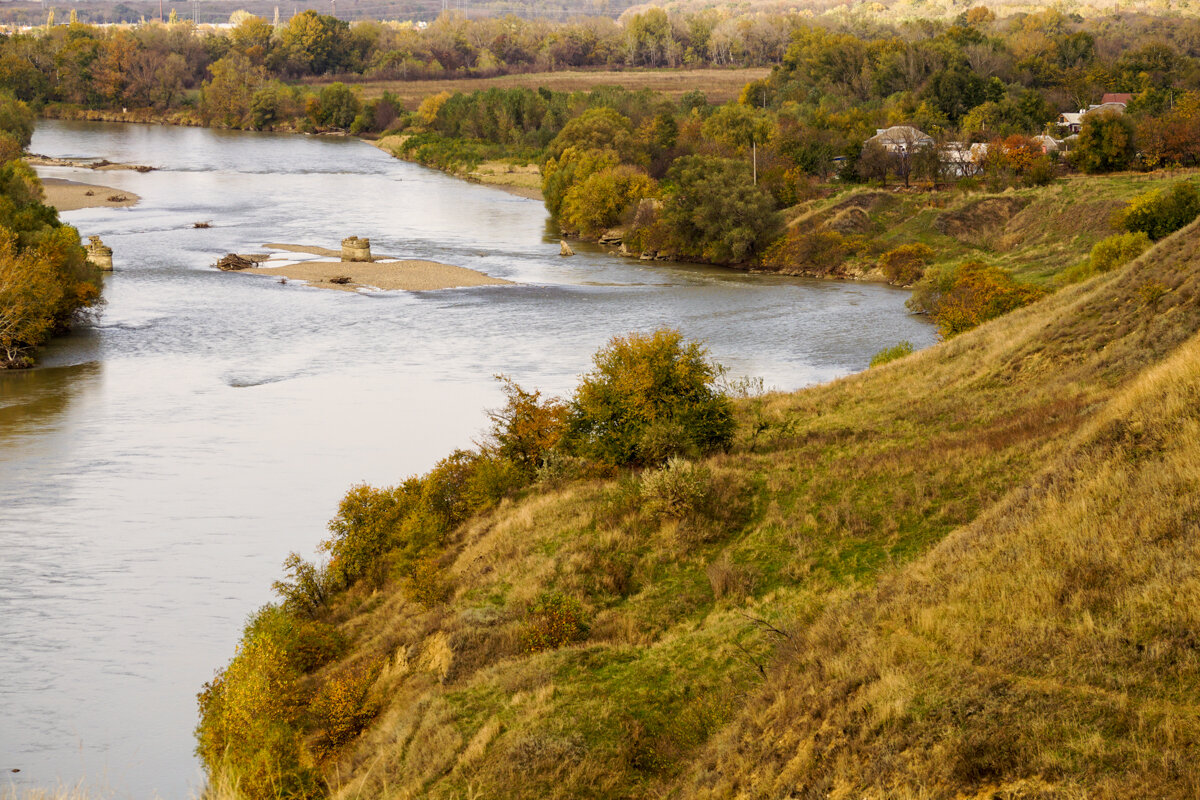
(413, 275)
(67, 195)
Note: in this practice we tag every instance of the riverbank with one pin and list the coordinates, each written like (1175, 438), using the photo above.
(410, 275)
(523, 180)
(65, 195)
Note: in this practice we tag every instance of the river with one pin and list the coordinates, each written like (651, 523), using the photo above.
(164, 459)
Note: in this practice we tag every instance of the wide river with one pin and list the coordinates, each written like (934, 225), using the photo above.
(162, 462)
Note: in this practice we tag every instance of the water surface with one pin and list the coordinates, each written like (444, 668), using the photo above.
(159, 467)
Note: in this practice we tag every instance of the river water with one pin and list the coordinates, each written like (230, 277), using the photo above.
(158, 467)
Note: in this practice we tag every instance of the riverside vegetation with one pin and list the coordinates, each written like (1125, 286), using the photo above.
(767, 182)
(972, 571)
(45, 279)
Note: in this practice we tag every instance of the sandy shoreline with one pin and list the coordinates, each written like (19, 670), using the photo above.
(523, 181)
(411, 275)
(66, 195)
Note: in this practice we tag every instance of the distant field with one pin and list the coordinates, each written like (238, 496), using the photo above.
(719, 85)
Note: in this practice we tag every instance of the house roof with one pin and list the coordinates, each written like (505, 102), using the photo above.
(1071, 117)
(1116, 97)
(901, 134)
(1118, 108)
(1048, 143)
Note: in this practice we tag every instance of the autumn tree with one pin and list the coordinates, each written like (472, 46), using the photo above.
(226, 98)
(45, 281)
(596, 203)
(315, 43)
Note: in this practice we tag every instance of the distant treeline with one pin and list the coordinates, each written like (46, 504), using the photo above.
(158, 65)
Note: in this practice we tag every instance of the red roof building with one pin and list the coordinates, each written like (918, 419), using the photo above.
(1116, 97)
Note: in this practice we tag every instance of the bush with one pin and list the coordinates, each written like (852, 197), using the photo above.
(1160, 213)
(554, 620)
(976, 294)
(367, 527)
(1108, 254)
(341, 707)
(905, 265)
(527, 428)
(426, 582)
(642, 381)
(893, 353)
(249, 715)
(306, 644)
(306, 588)
(677, 489)
(820, 252)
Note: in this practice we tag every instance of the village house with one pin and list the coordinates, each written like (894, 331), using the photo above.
(901, 139)
(1112, 101)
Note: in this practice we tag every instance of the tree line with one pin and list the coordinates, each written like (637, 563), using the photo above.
(163, 65)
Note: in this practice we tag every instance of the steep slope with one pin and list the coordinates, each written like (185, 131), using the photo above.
(801, 630)
(1049, 649)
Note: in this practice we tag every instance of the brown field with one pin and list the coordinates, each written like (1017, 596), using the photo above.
(720, 85)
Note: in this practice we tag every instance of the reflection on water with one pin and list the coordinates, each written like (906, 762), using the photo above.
(155, 475)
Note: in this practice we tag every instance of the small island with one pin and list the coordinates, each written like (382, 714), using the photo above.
(353, 268)
(67, 195)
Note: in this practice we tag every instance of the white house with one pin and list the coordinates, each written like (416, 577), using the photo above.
(901, 138)
(1114, 102)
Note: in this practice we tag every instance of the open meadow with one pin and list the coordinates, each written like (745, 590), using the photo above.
(718, 85)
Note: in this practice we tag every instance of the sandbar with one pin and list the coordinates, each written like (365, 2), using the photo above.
(411, 275)
(67, 195)
(523, 180)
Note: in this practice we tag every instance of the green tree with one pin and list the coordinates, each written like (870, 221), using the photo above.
(1106, 142)
(599, 128)
(741, 128)
(955, 90)
(713, 210)
(572, 166)
(646, 389)
(338, 105)
(16, 119)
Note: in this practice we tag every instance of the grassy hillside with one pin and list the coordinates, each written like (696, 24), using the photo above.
(1033, 233)
(1048, 649)
(973, 570)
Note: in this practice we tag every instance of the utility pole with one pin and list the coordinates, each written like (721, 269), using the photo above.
(160, 16)
(333, 4)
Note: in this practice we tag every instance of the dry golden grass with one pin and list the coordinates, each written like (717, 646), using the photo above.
(719, 85)
(970, 572)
